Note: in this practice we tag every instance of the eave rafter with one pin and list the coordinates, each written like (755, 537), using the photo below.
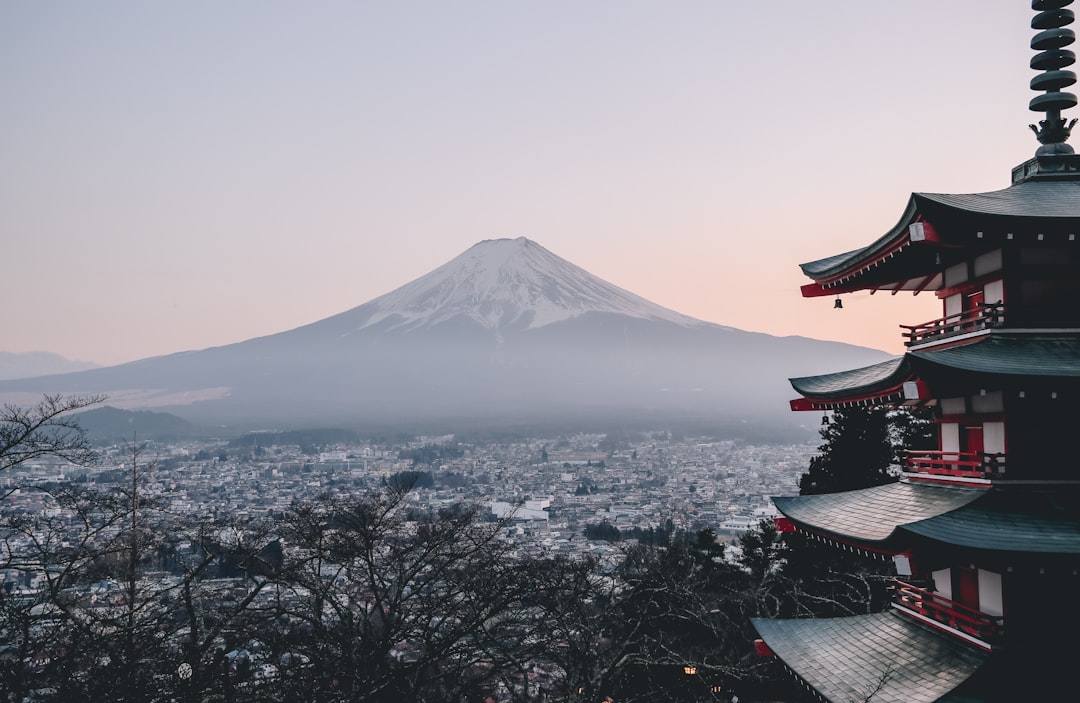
(911, 392)
(853, 278)
(784, 524)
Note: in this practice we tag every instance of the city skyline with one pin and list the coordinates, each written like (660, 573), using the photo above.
(181, 177)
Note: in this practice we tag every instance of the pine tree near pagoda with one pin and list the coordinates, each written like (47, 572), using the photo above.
(859, 450)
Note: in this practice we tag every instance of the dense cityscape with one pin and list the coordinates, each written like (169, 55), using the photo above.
(550, 489)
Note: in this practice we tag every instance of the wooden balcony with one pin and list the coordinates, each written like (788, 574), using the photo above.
(946, 614)
(985, 316)
(945, 464)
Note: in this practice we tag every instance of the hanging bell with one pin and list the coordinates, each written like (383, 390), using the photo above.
(838, 304)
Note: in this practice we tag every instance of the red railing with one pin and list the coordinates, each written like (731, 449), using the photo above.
(985, 316)
(955, 464)
(952, 615)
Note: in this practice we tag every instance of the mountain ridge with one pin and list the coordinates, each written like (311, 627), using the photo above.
(506, 332)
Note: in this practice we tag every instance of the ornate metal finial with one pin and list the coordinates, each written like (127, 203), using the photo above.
(1052, 18)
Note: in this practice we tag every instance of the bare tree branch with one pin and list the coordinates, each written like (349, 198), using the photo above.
(46, 429)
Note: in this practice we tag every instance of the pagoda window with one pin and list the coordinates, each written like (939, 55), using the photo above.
(988, 402)
(990, 601)
(955, 275)
(953, 406)
(987, 263)
(943, 583)
(954, 306)
(994, 437)
(950, 437)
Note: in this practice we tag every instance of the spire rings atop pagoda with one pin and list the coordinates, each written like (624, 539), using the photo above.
(1052, 58)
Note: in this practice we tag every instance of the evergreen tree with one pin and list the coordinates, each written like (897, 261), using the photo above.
(863, 448)
(857, 453)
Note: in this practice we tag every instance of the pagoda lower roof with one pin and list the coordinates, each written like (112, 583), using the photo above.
(862, 381)
(883, 655)
(1016, 354)
(872, 515)
(998, 353)
(935, 221)
(1021, 519)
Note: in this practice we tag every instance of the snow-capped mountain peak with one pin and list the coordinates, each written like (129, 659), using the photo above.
(510, 282)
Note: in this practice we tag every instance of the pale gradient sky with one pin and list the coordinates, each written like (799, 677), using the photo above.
(182, 175)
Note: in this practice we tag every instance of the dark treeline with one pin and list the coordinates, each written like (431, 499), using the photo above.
(431, 453)
(356, 598)
(657, 536)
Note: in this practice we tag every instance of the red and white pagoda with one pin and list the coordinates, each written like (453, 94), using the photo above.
(985, 530)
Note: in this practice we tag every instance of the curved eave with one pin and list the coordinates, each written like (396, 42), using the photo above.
(933, 222)
(872, 515)
(879, 262)
(832, 267)
(844, 659)
(1021, 521)
(914, 378)
(887, 383)
(1005, 354)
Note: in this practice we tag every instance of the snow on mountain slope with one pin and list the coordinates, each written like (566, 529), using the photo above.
(510, 282)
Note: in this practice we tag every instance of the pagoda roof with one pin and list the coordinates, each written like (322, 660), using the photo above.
(907, 257)
(1019, 520)
(882, 382)
(1032, 199)
(1016, 354)
(999, 353)
(884, 655)
(873, 514)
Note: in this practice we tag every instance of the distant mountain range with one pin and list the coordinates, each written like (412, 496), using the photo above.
(505, 335)
(38, 363)
(109, 425)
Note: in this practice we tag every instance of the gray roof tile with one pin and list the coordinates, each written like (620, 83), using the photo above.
(863, 380)
(873, 514)
(845, 659)
(1024, 520)
(1011, 354)
(1041, 199)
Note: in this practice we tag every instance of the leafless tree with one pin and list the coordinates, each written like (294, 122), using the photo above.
(388, 603)
(45, 429)
(121, 594)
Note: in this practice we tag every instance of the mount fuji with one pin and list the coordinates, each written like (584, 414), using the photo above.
(506, 334)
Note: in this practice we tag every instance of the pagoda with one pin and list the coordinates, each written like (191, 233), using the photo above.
(983, 531)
